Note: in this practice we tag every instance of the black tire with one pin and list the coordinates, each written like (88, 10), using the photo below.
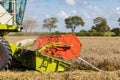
(5, 54)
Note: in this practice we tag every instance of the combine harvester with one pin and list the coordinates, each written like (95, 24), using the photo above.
(50, 52)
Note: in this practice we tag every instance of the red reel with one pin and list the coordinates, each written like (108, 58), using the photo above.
(64, 46)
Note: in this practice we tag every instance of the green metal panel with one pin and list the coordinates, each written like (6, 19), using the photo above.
(8, 27)
(4, 29)
(37, 61)
(49, 64)
(13, 47)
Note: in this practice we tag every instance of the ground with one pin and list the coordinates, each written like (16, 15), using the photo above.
(103, 52)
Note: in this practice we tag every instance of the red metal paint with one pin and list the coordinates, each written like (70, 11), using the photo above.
(69, 49)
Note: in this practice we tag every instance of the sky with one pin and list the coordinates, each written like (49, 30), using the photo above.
(87, 9)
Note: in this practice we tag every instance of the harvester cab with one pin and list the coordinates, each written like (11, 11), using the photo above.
(11, 15)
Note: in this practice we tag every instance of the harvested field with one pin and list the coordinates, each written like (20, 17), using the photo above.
(71, 75)
(103, 52)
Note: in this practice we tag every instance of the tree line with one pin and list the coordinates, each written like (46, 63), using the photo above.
(99, 24)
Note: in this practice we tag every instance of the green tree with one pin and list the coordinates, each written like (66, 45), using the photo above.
(116, 31)
(93, 29)
(100, 25)
(83, 30)
(50, 23)
(73, 21)
(28, 25)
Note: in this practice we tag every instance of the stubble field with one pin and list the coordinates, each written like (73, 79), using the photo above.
(103, 52)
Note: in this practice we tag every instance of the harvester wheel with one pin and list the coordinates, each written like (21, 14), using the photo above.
(5, 54)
